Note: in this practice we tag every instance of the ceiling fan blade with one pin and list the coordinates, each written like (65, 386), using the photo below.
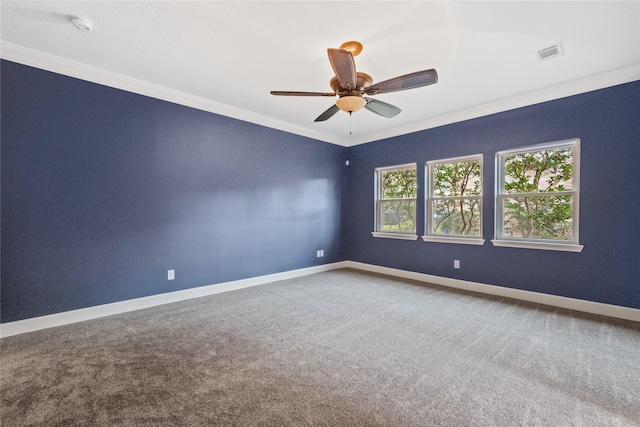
(381, 108)
(294, 93)
(344, 66)
(327, 114)
(407, 81)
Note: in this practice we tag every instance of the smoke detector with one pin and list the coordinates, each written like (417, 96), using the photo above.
(82, 24)
(550, 52)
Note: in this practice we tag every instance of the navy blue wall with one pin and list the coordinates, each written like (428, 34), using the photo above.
(103, 191)
(607, 270)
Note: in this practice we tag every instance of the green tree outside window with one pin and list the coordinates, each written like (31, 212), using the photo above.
(537, 194)
(455, 199)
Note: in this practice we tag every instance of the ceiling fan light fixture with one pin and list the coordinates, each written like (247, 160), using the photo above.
(352, 86)
(351, 103)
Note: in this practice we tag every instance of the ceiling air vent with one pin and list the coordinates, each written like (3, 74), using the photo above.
(550, 52)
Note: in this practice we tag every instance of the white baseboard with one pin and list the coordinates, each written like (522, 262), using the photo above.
(67, 317)
(599, 308)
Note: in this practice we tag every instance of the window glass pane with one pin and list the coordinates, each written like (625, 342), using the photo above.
(539, 217)
(398, 215)
(457, 217)
(399, 184)
(457, 179)
(539, 171)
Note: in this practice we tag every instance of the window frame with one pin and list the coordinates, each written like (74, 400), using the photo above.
(533, 243)
(378, 200)
(430, 235)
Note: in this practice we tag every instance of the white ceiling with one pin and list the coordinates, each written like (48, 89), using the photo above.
(225, 56)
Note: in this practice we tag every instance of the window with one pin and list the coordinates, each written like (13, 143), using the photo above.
(454, 201)
(396, 190)
(537, 196)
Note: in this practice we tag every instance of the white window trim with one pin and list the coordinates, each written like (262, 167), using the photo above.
(461, 240)
(549, 246)
(394, 235)
(440, 238)
(552, 245)
(403, 235)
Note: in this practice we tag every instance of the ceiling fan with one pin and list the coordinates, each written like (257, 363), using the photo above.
(351, 86)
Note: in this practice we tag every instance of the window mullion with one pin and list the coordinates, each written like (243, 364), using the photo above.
(455, 197)
(541, 194)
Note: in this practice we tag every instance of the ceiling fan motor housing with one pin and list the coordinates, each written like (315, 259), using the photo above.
(363, 81)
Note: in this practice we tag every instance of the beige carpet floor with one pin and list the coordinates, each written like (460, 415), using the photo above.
(341, 348)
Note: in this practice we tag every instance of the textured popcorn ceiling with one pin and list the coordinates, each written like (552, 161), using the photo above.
(225, 57)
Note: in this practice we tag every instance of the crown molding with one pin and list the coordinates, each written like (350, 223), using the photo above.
(45, 61)
(575, 87)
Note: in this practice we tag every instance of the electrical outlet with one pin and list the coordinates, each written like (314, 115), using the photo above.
(171, 274)
(456, 263)
(320, 253)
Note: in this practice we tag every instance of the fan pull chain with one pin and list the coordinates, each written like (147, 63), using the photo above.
(350, 121)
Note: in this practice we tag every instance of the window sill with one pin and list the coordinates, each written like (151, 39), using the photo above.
(565, 247)
(401, 236)
(458, 240)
